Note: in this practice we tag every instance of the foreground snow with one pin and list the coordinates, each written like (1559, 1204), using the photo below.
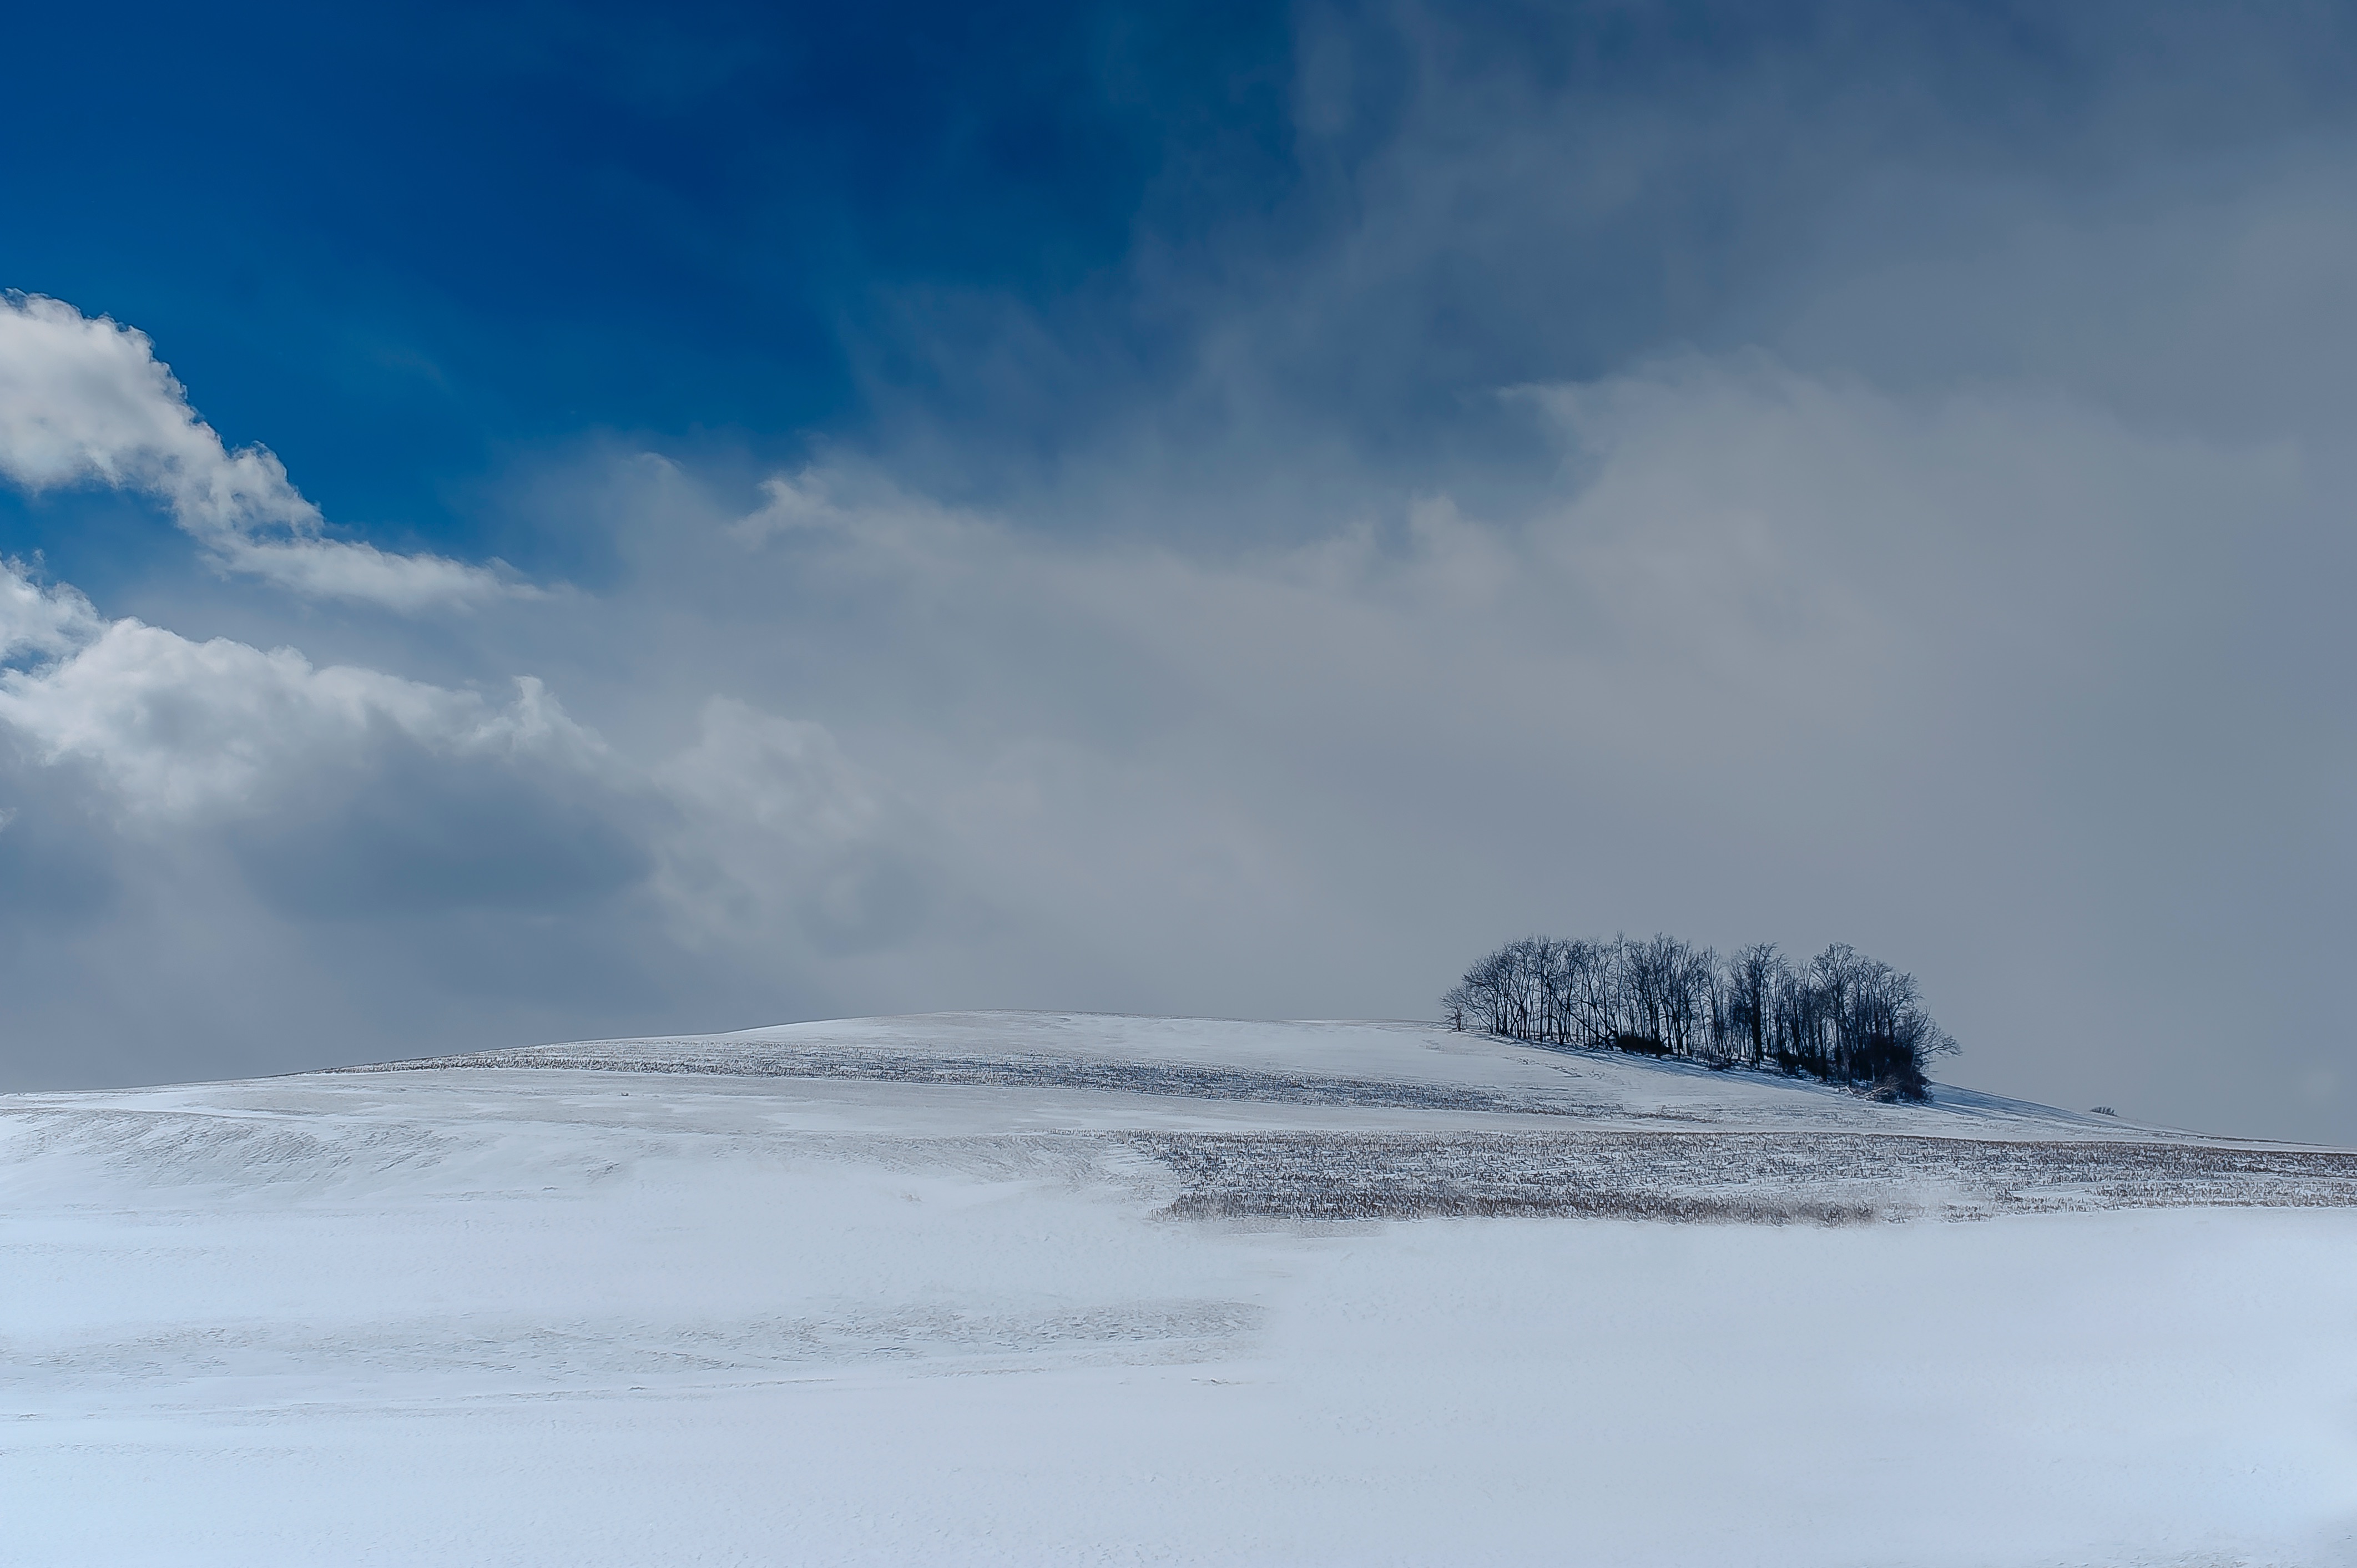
(928, 1290)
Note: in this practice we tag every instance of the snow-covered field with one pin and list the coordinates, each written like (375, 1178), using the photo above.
(1026, 1288)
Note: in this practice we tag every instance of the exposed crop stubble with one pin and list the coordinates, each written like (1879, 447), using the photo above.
(1823, 1178)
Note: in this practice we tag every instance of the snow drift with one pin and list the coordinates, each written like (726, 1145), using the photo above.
(1030, 1288)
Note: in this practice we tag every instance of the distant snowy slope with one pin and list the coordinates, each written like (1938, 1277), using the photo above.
(1371, 1064)
(1355, 1120)
(1017, 1288)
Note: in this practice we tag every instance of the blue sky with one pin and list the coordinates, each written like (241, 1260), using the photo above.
(396, 245)
(1227, 509)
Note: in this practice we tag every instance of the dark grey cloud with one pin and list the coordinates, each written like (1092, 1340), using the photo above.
(390, 829)
(57, 866)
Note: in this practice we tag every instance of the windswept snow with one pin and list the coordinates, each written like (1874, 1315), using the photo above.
(1050, 1288)
(1383, 1064)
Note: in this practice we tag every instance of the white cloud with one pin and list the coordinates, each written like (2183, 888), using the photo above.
(793, 501)
(44, 622)
(759, 830)
(179, 730)
(779, 830)
(343, 569)
(85, 400)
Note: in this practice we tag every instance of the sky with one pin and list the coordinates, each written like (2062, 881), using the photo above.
(532, 521)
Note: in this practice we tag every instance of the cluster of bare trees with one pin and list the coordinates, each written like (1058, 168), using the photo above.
(1840, 1017)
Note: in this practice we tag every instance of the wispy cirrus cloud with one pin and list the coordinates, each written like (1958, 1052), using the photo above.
(85, 400)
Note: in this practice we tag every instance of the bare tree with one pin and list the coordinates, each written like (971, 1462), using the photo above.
(1750, 982)
(1842, 1016)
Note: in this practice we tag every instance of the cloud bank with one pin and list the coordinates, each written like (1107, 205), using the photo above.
(1611, 484)
(1779, 653)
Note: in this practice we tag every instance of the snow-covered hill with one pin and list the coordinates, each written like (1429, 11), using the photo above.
(1387, 1066)
(1032, 1288)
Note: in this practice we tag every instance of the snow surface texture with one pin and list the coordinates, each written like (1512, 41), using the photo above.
(1024, 1288)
